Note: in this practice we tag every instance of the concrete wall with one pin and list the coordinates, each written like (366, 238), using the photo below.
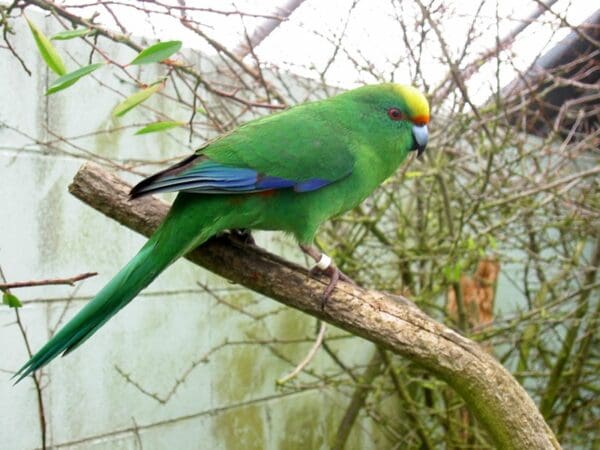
(198, 379)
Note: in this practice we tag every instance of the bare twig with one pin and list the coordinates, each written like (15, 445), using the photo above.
(70, 281)
(263, 30)
(308, 358)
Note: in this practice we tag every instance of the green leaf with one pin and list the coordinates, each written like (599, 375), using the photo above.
(471, 244)
(135, 99)
(71, 78)
(11, 300)
(159, 126)
(452, 273)
(157, 52)
(47, 50)
(430, 383)
(71, 34)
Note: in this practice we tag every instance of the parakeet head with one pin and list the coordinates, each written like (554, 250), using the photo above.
(397, 107)
(416, 110)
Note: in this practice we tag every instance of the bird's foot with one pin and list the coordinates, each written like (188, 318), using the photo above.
(242, 236)
(325, 267)
(334, 275)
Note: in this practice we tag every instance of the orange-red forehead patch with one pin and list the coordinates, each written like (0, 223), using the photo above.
(420, 120)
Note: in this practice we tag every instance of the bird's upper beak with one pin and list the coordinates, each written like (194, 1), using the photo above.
(420, 136)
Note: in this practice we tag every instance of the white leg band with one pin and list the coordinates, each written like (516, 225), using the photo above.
(324, 262)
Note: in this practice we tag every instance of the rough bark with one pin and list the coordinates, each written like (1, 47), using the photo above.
(492, 394)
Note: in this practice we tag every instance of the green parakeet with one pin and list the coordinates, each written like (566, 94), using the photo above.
(289, 171)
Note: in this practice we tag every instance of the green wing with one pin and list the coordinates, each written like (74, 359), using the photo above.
(302, 148)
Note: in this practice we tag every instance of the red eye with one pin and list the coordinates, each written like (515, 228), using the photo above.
(395, 114)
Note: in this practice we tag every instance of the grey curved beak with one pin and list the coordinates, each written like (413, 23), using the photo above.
(420, 136)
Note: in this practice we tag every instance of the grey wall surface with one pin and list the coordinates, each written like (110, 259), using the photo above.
(176, 369)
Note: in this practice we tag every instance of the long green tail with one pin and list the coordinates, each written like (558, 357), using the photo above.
(175, 237)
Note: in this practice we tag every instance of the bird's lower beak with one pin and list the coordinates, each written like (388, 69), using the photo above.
(420, 137)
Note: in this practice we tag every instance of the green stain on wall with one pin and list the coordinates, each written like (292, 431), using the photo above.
(240, 428)
(300, 422)
(292, 324)
(107, 144)
(51, 221)
(243, 374)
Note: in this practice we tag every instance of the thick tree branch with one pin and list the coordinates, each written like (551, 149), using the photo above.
(493, 395)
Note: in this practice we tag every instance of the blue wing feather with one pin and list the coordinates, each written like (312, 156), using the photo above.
(202, 176)
(310, 185)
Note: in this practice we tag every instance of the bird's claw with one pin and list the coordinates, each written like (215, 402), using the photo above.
(334, 275)
(326, 267)
(242, 236)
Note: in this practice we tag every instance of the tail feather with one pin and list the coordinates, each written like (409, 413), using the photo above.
(166, 245)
